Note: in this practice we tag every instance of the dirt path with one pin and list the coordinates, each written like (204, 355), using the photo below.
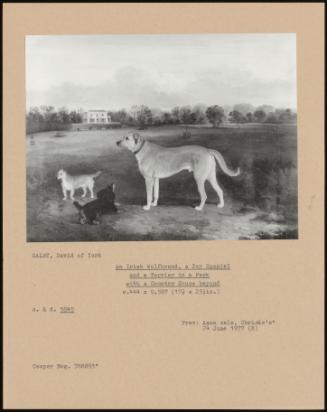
(58, 221)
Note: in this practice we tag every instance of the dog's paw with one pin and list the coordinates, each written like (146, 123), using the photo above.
(96, 222)
(199, 208)
(146, 207)
(220, 205)
(154, 203)
(83, 221)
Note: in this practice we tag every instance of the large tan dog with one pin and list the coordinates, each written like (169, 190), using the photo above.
(156, 162)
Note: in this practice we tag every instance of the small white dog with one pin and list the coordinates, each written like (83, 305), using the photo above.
(72, 183)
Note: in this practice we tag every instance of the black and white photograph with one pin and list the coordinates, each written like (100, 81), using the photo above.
(161, 137)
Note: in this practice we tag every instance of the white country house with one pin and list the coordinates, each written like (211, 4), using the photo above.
(96, 117)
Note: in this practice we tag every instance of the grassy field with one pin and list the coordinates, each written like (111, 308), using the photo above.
(261, 203)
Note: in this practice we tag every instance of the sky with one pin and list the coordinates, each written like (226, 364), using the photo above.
(162, 71)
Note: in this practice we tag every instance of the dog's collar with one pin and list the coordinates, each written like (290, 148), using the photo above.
(140, 148)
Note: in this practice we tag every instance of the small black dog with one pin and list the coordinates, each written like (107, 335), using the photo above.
(92, 211)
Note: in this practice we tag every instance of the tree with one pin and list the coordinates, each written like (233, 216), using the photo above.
(157, 119)
(50, 117)
(63, 117)
(272, 118)
(198, 114)
(215, 115)
(236, 117)
(47, 118)
(167, 118)
(249, 117)
(259, 115)
(285, 115)
(35, 121)
(143, 116)
(185, 115)
(157, 116)
(120, 116)
(175, 114)
(75, 117)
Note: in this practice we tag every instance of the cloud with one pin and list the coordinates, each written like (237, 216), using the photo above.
(113, 71)
(232, 86)
(131, 86)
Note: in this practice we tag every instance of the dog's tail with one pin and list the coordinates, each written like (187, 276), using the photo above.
(221, 161)
(96, 174)
(77, 205)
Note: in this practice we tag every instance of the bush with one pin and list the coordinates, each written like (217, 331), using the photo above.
(59, 134)
(46, 118)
